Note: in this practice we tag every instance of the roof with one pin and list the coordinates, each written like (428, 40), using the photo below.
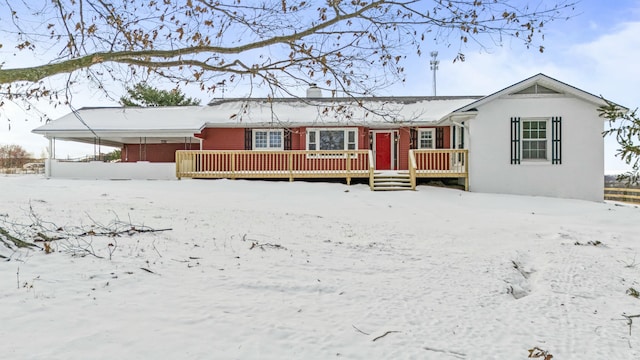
(540, 79)
(379, 112)
(119, 125)
(116, 126)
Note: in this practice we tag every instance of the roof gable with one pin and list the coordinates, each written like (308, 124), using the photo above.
(539, 84)
(535, 89)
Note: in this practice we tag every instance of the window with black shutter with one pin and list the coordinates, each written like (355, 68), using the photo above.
(515, 140)
(556, 137)
(248, 139)
(413, 133)
(287, 139)
(439, 138)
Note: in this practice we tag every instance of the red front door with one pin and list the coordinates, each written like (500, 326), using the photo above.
(383, 150)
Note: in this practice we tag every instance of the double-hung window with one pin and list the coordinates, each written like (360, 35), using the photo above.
(332, 139)
(534, 140)
(426, 139)
(267, 139)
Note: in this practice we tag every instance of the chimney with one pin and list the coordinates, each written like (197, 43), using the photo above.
(314, 91)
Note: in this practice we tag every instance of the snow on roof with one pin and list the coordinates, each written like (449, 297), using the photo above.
(129, 119)
(389, 111)
(256, 112)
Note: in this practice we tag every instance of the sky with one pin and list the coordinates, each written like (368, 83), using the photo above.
(595, 50)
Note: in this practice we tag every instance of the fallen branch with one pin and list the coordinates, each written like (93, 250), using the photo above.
(114, 233)
(630, 320)
(149, 271)
(456, 354)
(5, 237)
(40, 237)
(360, 331)
(255, 244)
(385, 334)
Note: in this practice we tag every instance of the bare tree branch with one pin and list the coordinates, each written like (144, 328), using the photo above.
(354, 47)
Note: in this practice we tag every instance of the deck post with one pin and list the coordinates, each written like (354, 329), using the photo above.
(466, 170)
(233, 165)
(178, 158)
(290, 159)
(348, 168)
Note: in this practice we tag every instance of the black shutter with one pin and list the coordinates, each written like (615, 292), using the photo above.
(413, 133)
(515, 140)
(462, 137)
(556, 137)
(248, 139)
(439, 138)
(287, 139)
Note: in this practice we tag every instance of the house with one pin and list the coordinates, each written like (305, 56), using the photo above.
(537, 137)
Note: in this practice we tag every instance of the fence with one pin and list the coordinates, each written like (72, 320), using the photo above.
(622, 194)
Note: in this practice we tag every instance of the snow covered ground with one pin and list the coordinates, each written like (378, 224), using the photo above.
(279, 270)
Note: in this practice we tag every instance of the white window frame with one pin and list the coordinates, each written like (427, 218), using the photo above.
(547, 141)
(268, 147)
(433, 138)
(346, 144)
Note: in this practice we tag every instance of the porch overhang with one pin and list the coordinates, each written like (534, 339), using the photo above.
(120, 138)
(457, 118)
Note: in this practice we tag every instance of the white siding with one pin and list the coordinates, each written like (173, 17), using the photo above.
(580, 176)
(98, 170)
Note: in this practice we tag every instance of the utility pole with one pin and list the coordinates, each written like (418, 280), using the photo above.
(434, 66)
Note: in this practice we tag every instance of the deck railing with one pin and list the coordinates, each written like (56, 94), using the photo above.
(630, 195)
(289, 164)
(439, 163)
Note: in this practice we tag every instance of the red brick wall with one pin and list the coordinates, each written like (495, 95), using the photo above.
(404, 142)
(223, 139)
(233, 138)
(447, 137)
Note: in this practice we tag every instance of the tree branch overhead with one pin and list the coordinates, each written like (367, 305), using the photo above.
(333, 43)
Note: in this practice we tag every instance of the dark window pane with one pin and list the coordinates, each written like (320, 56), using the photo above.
(331, 140)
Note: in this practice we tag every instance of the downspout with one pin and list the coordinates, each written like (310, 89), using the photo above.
(49, 161)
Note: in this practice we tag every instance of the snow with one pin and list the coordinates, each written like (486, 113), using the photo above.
(239, 113)
(432, 269)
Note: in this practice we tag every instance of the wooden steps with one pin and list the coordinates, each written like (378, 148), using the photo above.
(391, 181)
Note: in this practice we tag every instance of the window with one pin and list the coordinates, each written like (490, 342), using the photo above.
(426, 139)
(332, 139)
(267, 139)
(534, 140)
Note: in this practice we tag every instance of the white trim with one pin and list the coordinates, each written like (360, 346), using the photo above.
(543, 80)
(346, 141)
(547, 121)
(268, 139)
(433, 138)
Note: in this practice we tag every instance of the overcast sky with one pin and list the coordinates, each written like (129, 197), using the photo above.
(597, 51)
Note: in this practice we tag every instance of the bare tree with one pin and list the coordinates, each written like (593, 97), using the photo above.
(355, 47)
(12, 156)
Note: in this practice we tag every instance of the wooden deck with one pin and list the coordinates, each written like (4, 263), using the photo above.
(440, 163)
(296, 164)
(287, 164)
